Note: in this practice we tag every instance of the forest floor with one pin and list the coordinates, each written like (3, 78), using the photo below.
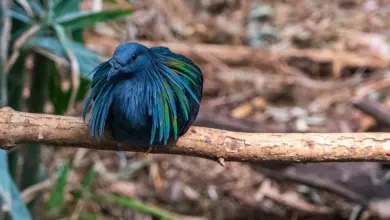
(272, 66)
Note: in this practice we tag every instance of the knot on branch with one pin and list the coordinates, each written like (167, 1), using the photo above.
(6, 110)
(6, 144)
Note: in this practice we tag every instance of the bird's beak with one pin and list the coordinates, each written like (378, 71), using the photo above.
(113, 72)
(115, 69)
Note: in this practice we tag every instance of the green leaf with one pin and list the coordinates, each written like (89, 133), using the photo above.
(51, 4)
(89, 216)
(61, 101)
(19, 25)
(36, 7)
(87, 180)
(9, 193)
(87, 58)
(66, 6)
(56, 199)
(64, 40)
(19, 16)
(83, 19)
(137, 205)
(69, 6)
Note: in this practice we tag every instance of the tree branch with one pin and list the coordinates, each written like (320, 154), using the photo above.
(19, 127)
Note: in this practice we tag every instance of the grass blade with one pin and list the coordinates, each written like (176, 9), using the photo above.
(56, 199)
(89, 216)
(137, 205)
(87, 180)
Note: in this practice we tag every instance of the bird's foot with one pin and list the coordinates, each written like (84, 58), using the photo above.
(150, 148)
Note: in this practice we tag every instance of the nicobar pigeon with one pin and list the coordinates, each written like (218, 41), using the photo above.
(145, 95)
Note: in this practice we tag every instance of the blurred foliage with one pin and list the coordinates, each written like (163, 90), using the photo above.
(50, 33)
(57, 23)
(56, 199)
(56, 206)
(137, 205)
(10, 201)
(88, 216)
(260, 33)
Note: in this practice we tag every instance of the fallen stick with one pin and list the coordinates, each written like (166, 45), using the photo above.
(19, 127)
(244, 55)
(374, 109)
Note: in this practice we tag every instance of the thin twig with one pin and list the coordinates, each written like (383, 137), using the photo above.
(75, 78)
(316, 182)
(290, 199)
(79, 207)
(52, 56)
(374, 109)
(19, 43)
(29, 194)
(370, 87)
(231, 99)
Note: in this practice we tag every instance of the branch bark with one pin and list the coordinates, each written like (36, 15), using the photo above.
(19, 127)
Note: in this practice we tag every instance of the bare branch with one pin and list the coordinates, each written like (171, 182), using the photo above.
(19, 127)
(374, 109)
(19, 43)
(237, 55)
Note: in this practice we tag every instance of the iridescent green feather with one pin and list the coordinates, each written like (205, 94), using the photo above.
(175, 81)
(182, 99)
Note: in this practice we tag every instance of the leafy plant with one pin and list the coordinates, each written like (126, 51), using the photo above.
(49, 31)
(56, 202)
(47, 27)
(87, 180)
(12, 206)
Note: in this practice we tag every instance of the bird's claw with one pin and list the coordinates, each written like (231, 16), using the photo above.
(150, 149)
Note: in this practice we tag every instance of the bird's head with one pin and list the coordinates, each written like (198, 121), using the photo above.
(128, 59)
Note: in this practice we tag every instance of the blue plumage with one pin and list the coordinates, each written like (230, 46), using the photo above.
(146, 95)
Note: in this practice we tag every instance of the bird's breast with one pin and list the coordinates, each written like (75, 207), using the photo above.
(129, 105)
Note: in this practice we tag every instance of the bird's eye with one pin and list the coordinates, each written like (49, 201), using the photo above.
(134, 56)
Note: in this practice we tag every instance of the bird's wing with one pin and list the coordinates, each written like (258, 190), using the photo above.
(102, 95)
(192, 76)
(167, 52)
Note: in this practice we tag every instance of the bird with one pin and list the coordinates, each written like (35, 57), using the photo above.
(146, 95)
